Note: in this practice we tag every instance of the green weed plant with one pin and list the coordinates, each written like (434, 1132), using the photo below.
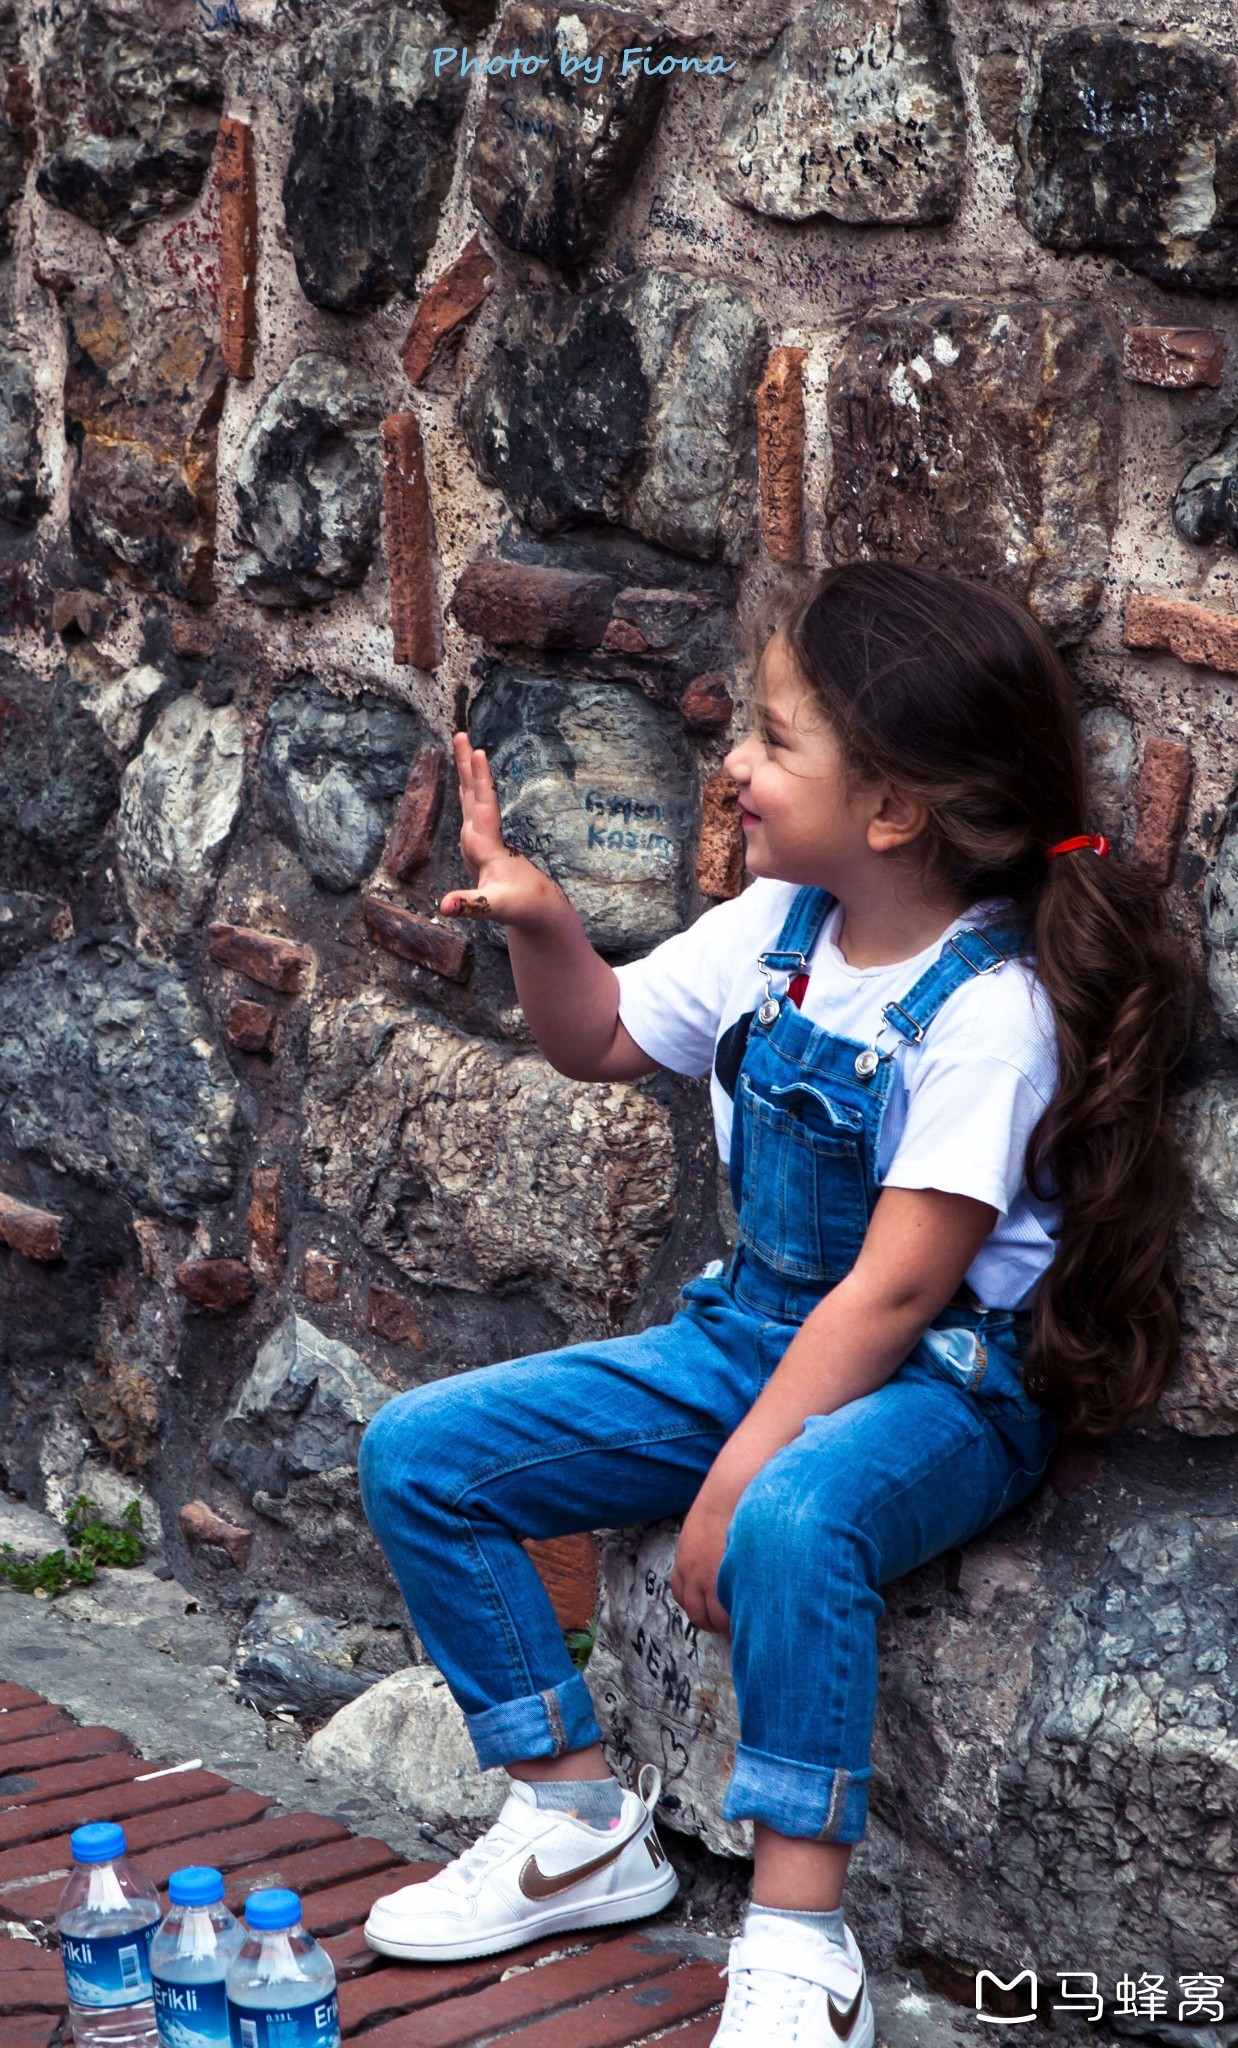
(92, 1542)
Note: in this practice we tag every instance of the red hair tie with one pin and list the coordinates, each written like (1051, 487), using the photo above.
(1096, 840)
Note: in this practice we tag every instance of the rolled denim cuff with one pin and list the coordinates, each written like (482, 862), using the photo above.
(540, 1724)
(798, 1799)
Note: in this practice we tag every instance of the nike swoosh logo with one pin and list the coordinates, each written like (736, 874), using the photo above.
(535, 1884)
(843, 2018)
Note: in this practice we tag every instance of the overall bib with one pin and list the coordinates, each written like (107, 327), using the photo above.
(618, 1431)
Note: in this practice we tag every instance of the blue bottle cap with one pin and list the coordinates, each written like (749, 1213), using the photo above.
(100, 1841)
(196, 1885)
(272, 1909)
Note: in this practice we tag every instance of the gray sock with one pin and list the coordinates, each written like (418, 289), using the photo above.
(599, 1801)
(829, 1923)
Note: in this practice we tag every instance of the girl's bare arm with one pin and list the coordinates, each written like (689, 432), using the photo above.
(567, 992)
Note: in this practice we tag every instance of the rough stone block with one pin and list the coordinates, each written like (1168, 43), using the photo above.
(394, 1316)
(720, 853)
(417, 814)
(407, 1740)
(301, 1409)
(1175, 357)
(550, 163)
(113, 1071)
(320, 1277)
(1021, 401)
(36, 1233)
(79, 611)
(58, 780)
(128, 120)
(1174, 625)
(200, 1524)
(1205, 510)
(330, 771)
(238, 246)
(215, 1285)
(1160, 803)
(568, 1568)
(429, 1142)
(308, 491)
(144, 390)
(179, 800)
(511, 603)
(412, 560)
(593, 786)
(1109, 748)
(250, 1025)
(18, 134)
(263, 956)
(373, 149)
(266, 1253)
(628, 405)
(452, 299)
(1128, 146)
(856, 113)
(416, 938)
(25, 492)
(707, 704)
(288, 1656)
(780, 454)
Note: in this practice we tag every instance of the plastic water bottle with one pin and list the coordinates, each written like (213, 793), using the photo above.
(107, 1916)
(189, 1960)
(281, 1985)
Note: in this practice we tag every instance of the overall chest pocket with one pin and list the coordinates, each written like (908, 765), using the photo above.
(804, 1207)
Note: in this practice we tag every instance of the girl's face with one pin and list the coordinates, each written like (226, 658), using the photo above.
(803, 820)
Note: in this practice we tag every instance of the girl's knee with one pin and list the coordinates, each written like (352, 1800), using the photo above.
(412, 1433)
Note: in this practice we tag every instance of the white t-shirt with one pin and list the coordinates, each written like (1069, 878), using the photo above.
(964, 1101)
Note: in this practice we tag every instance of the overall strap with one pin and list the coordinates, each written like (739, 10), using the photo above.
(975, 950)
(800, 927)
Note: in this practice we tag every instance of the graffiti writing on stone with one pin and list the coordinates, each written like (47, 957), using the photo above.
(629, 837)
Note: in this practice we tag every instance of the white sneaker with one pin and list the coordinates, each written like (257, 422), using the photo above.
(535, 1871)
(795, 1989)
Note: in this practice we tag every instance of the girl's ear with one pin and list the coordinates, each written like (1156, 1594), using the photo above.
(896, 820)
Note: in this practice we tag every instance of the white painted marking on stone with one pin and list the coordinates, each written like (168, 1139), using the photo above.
(945, 350)
(900, 390)
(922, 370)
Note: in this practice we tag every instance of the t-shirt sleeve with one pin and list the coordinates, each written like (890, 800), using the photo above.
(966, 1131)
(671, 1002)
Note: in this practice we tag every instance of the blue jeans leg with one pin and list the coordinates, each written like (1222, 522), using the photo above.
(598, 1435)
(860, 1497)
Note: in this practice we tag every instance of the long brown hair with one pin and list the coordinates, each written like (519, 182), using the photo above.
(951, 691)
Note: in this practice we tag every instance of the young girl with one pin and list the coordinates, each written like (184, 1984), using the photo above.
(939, 1026)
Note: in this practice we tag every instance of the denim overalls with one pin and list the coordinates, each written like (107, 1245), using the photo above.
(617, 1431)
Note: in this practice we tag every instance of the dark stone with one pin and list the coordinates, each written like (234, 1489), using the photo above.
(372, 155)
(330, 772)
(1000, 83)
(58, 784)
(129, 121)
(25, 922)
(23, 482)
(1130, 146)
(301, 1410)
(143, 395)
(17, 136)
(631, 405)
(108, 1064)
(594, 788)
(857, 113)
(1205, 505)
(308, 486)
(982, 438)
(289, 1657)
(554, 152)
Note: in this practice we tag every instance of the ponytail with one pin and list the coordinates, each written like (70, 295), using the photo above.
(951, 691)
(1105, 1328)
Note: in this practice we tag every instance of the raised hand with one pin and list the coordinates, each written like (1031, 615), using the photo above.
(508, 887)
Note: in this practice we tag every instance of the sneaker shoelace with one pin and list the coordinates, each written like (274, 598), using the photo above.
(775, 1998)
(464, 1872)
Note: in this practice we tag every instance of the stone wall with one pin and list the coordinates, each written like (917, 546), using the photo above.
(345, 397)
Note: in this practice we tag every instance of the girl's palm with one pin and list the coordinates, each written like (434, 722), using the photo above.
(509, 887)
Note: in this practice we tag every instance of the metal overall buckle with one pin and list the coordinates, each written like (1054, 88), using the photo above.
(868, 1061)
(772, 1004)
